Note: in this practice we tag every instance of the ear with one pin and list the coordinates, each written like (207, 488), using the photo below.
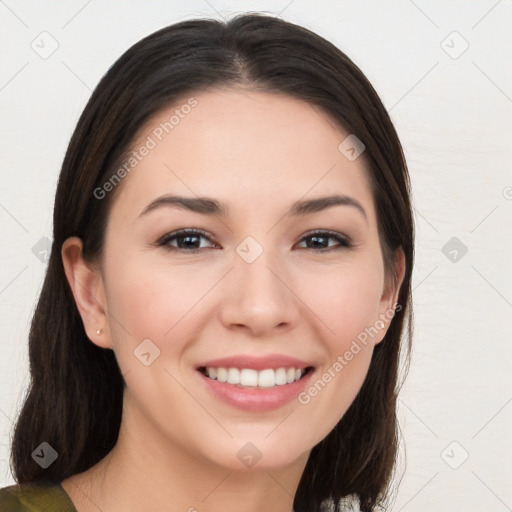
(388, 301)
(86, 283)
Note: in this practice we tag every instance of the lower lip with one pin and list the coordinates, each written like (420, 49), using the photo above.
(261, 399)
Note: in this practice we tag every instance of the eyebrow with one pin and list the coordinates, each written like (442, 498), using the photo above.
(209, 206)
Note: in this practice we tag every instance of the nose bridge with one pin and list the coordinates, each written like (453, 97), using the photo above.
(253, 267)
(257, 297)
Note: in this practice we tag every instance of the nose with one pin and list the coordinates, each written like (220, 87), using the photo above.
(258, 298)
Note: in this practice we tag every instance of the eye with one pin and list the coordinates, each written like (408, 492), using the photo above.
(319, 241)
(191, 240)
(188, 240)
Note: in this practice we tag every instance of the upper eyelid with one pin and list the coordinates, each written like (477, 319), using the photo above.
(324, 232)
(183, 232)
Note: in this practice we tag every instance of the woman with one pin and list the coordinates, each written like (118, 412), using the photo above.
(221, 320)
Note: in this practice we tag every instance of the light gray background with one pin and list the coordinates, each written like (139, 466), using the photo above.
(453, 114)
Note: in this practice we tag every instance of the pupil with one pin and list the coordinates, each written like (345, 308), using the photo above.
(316, 239)
(188, 238)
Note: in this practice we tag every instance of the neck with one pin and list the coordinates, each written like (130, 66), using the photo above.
(145, 472)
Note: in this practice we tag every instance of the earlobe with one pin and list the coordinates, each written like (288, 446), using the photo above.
(388, 302)
(86, 284)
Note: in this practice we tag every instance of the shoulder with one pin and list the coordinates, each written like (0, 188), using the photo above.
(35, 497)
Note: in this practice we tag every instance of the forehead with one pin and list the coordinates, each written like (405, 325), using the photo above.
(242, 147)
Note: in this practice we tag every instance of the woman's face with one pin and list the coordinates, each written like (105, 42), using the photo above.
(255, 293)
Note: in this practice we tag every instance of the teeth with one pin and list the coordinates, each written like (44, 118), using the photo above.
(233, 376)
(281, 376)
(247, 377)
(267, 378)
(222, 374)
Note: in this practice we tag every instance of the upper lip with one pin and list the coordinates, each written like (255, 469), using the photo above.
(273, 361)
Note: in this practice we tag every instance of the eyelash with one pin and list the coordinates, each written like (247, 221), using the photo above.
(343, 241)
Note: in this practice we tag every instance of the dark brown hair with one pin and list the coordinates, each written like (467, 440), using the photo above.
(74, 400)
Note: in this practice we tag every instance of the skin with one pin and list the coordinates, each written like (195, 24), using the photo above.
(257, 153)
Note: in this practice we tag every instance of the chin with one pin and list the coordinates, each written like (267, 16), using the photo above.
(261, 453)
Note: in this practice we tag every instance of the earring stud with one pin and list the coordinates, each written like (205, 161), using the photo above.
(99, 331)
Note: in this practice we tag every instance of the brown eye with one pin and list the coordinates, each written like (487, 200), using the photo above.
(188, 240)
(320, 241)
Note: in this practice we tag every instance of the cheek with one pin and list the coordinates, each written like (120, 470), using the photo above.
(161, 304)
(158, 302)
(345, 298)
(152, 299)
(346, 301)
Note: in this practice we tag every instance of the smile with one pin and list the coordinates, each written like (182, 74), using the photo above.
(251, 378)
(255, 383)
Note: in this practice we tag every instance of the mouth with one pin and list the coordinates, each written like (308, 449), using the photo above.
(255, 383)
(250, 378)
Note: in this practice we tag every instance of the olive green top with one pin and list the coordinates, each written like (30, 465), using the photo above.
(35, 498)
